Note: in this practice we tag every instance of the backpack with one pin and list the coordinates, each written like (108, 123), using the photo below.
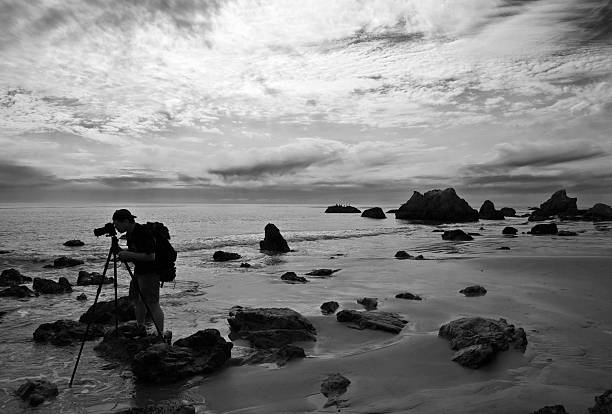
(165, 255)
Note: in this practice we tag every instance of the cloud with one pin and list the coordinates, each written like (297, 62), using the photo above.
(14, 175)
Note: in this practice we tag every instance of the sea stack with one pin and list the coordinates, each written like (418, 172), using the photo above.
(273, 240)
(437, 206)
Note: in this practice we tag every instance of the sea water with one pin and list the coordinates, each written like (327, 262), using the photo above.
(32, 236)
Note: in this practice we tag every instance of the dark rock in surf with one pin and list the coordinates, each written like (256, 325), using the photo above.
(375, 213)
(408, 295)
(401, 254)
(329, 308)
(488, 212)
(477, 340)
(221, 256)
(603, 404)
(509, 231)
(82, 296)
(74, 243)
(245, 265)
(437, 206)
(104, 312)
(293, 278)
(508, 212)
(199, 354)
(279, 356)
(378, 320)
(19, 291)
(49, 286)
(12, 277)
(273, 240)
(161, 407)
(456, 235)
(64, 261)
(123, 344)
(392, 211)
(559, 203)
(270, 327)
(342, 209)
(368, 303)
(37, 391)
(503, 248)
(66, 332)
(600, 212)
(472, 291)
(566, 233)
(551, 409)
(544, 229)
(322, 272)
(93, 278)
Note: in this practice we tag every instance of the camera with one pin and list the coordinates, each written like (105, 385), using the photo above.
(108, 229)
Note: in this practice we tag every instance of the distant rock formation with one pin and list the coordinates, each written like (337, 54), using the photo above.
(478, 340)
(600, 212)
(74, 243)
(374, 212)
(508, 212)
(558, 204)
(338, 208)
(221, 256)
(402, 254)
(475, 290)
(509, 231)
(544, 229)
(378, 320)
(273, 240)
(488, 212)
(437, 206)
(11, 277)
(456, 235)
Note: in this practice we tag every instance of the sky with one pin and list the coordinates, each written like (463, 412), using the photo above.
(316, 101)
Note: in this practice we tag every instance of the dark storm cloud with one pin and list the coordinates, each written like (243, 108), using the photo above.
(264, 168)
(14, 176)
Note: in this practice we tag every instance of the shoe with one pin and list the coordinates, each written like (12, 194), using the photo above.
(167, 336)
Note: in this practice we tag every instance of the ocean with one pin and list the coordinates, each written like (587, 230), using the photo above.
(32, 236)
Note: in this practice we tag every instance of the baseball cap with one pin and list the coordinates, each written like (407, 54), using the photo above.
(122, 214)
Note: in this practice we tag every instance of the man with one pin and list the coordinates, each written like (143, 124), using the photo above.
(141, 251)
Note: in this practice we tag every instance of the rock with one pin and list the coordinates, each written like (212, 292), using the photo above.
(392, 211)
(474, 234)
(419, 257)
(322, 272)
(74, 243)
(199, 354)
(551, 409)
(478, 340)
(49, 286)
(456, 235)
(539, 215)
(603, 404)
(384, 321)
(221, 256)
(475, 290)
(342, 209)
(270, 327)
(245, 265)
(375, 213)
(437, 205)
(161, 407)
(509, 231)
(508, 212)
(104, 312)
(402, 255)
(329, 308)
(408, 295)
(292, 277)
(543, 229)
(273, 240)
(279, 356)
(36, 391)
(18, 292)
(12, 277)
(82, 296)
(600, 212)
(66, 332)
(503, 248)
(4, 251)
(488, 212)
(333, 387)
(93, 278)
(559, 203)
(66, 262)
(368, 303)
(566, 233)
(123, 344)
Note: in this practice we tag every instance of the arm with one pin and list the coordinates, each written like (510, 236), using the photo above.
(128, 256)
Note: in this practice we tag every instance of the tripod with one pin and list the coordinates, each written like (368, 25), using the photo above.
(112, 253)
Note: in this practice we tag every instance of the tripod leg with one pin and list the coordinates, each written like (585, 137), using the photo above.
(116, 305)
(137, 286)
(89, 323)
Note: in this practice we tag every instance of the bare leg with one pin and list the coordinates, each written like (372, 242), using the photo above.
(141, 312)
(158, 315)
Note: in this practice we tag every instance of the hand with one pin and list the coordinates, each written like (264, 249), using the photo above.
(123, 255)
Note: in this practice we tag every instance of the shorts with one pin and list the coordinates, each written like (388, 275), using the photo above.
(149, 288)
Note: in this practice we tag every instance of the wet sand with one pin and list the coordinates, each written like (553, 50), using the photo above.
(563, 303)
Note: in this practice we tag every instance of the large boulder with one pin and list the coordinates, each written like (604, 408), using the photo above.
(508, 211)
(64, 261)
(603, 404)
(559, 203)
(456, 235)
(488, 212)
(472, 291)
(374, 212)
(477, 340)
(36, 391)
(93, 278)
(104, 312)
(221, 256)
(600, 212)
(18, 291)
(329, 308)
(199, 354)
(342, 209)
(12, 277)
(66, 332)
(270, 327)
(543, 229)
(377, 320)
(438, 206)
(123, 344)
(49, 286)
(509, 231)
(273, 240)
(333, 387)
